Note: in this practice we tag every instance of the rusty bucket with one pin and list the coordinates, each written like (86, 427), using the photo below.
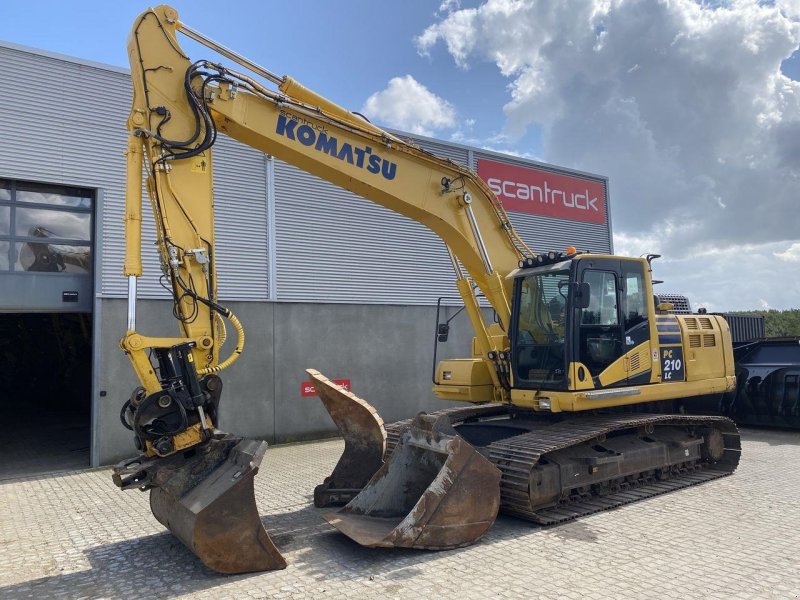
(435, 492)
(364, 442)
(206, 499)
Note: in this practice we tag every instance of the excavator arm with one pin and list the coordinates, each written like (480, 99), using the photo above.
(196, 473)
(179, 107)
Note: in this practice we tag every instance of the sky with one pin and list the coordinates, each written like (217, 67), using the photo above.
(691, 108)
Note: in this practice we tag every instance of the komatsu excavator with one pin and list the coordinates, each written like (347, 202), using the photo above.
(561, 389)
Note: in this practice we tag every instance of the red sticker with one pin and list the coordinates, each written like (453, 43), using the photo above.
(307, 387)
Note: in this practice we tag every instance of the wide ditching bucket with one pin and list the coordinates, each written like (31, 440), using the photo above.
(206, 499)
(434, 492)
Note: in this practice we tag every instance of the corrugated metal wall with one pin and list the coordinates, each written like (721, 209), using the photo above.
(240, 205)
(334, 246)
(330, 245)
(63, 121)
(455, 153)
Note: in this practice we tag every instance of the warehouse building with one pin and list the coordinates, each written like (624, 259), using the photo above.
(319, 277)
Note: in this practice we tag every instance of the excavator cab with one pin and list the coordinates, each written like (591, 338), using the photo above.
(575, 321)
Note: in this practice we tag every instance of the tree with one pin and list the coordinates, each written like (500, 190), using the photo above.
(778, 323)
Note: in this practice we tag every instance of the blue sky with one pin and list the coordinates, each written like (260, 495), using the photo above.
(691, 108)
(346, 50)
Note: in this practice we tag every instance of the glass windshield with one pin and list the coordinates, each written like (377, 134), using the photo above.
(541, 327)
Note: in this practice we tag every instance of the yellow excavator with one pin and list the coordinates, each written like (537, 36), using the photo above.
(562, 388)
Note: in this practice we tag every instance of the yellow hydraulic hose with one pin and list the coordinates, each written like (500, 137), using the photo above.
(236, 351)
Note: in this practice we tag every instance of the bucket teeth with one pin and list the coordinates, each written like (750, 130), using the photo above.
(364, 442)
(435, 492)
(208, 502)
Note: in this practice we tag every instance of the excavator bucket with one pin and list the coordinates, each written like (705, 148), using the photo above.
(435, 492)
(364, 442)
(207, 501)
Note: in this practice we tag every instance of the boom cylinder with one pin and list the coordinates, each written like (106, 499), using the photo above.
(228, 53)
(476, 231)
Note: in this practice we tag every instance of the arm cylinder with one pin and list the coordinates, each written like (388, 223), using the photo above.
(133, 209)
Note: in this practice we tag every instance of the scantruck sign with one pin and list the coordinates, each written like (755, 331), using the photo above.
(540, 192)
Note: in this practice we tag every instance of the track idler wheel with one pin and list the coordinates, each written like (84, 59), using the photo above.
(364, 442)
(205, 497)
(434, 492)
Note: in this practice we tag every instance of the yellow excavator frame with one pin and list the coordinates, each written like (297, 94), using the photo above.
(178, 107)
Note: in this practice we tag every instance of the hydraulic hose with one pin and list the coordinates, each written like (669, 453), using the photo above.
(236, 351)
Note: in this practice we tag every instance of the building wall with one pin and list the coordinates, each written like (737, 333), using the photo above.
(383, 256)
(320, 277)
(70, 130)
(385, 350)
(281, 233)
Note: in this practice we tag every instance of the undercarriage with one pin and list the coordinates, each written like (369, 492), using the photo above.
(554, 470)
(549, 469)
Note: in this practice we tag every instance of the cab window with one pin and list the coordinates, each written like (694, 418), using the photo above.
(634, 309)
(602, 309)
(600, 335)
(539, 340)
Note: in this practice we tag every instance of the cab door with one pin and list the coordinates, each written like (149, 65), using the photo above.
(635, 322)
(612, 336)
(599, 339)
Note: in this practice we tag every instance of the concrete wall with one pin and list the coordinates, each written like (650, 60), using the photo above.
(386, 351)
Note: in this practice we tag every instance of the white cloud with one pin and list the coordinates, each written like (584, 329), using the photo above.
(734, 277)
(408, 105)
(455, 30)
(681, 103)
(448, 6)
(791, 254)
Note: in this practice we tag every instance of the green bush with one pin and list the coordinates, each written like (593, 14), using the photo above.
(778, 323)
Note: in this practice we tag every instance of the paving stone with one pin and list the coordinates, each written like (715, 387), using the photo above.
(75, 535)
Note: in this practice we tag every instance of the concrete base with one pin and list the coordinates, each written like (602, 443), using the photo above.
(386, 352)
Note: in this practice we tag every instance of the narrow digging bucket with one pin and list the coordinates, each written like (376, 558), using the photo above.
(364, 442)
(208, 502)
(434, 492)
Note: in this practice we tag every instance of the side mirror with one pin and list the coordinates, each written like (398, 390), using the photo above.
(442, 331)
(582, 293)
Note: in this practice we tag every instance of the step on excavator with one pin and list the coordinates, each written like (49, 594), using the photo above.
(561, 390)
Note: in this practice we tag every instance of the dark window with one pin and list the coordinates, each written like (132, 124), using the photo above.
(5, 220)
(539, 339)
(54, 195)
(52, 258)
(47, 223)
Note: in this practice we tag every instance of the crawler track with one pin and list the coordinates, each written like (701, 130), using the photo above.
(517, 456)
